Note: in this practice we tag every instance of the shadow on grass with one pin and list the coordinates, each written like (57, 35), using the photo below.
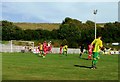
(86, 59)
(82, 66)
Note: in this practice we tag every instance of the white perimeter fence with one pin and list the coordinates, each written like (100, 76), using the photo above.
(14, 48)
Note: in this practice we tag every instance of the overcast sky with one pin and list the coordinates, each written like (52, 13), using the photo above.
(55, 12)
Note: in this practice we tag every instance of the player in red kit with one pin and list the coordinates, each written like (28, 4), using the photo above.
(61, 49)
(45, 48)
(49, 47)
(90, 48)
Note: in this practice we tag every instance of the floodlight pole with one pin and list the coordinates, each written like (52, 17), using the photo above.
(95, 12)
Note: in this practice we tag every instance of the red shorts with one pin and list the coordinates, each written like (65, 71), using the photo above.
(90, 53)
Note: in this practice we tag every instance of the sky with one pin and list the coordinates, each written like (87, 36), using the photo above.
(56, 11)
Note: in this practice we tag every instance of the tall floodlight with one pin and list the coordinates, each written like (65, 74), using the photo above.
(119, 11)
(95, 12)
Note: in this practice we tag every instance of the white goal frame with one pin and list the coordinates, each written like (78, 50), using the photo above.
(29, 42)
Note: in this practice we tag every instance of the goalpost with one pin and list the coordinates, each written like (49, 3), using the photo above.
(18, 44)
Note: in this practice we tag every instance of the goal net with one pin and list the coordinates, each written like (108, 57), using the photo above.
(18, 46)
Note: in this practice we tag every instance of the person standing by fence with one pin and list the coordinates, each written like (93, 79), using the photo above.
(81, 50)
(60, 49)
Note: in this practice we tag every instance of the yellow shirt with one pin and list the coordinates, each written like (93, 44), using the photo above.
(41, 47)
(65, 48)
(97, 44)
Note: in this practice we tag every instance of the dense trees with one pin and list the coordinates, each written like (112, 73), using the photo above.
(71, 30)
(10, 31)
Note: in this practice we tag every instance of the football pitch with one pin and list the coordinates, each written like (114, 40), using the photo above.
(29, 66)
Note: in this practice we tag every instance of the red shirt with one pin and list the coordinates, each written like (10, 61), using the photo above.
(44, 45)
(90, 48)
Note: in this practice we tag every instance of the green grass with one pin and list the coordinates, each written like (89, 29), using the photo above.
(28, 66)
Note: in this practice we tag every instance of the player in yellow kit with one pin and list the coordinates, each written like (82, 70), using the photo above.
(65, 49)
(97, 46)
(41, 49)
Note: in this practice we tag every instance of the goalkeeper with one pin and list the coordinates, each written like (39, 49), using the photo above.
(97, 45)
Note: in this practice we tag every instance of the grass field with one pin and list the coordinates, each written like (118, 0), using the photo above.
(28, 66)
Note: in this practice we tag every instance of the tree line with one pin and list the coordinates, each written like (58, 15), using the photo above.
(72, 31)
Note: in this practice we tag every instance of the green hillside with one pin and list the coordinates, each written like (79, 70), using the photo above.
(45, 26)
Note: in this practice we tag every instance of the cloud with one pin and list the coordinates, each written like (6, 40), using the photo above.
(0, 11)
(57, 11)
(60, 0)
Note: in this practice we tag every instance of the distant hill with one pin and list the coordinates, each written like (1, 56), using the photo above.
(101, 24)
(44, 26)
(33, 26)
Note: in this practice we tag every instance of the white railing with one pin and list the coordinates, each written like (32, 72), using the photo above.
(7, 48)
